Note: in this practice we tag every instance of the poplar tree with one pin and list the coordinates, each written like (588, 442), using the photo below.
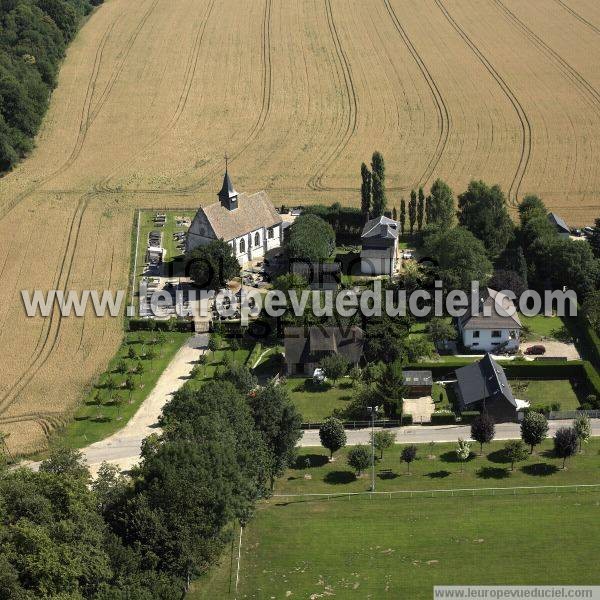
(412, 210)
(365, 191)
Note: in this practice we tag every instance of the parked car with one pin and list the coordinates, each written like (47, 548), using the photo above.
(536, 350)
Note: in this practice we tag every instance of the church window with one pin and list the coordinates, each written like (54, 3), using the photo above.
(271, 233)
(242, 245)
(257, 239)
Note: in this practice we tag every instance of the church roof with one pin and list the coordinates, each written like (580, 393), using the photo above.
(227, 191)
(253, 212)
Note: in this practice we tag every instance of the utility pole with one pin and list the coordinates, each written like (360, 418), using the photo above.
(372, 410)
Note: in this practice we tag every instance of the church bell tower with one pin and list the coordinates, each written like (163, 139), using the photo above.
(228, 196)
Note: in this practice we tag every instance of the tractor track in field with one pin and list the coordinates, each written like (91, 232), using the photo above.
(575, 14)
(255, 130)
(88, 114)
(563, 66)
(189, 77)
(525, 153)
(51, 328)
(444, 121)
(315, 181)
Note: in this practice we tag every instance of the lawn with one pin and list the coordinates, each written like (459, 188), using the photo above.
(99, 416)
(400, 548)
(316, 402)
(442, 471)
(543, 327)
(543, 393)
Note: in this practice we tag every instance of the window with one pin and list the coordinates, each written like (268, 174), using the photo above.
(476, 334)
(257, 239)
(496, 333)
(271, 233)
(242, 245)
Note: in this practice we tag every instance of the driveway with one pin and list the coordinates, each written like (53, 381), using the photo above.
(123, 447)
(420, 408)
(553, 348)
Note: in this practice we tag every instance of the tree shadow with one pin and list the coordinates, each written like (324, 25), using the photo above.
(540, 469)
(439, 474)
(450, 457)
(492, 473)
(387, 474)
(339, 477)
(345, 385)
(498, 456)
(316, 460)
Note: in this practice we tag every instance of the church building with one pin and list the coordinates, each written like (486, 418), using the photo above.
(249, 223)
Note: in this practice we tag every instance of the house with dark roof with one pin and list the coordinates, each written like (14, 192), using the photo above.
(418, 383)
(379, 254)
(304, 347)
(319, 276)
(559, 224)
(483, 386)
(491, 326)
(249, 223)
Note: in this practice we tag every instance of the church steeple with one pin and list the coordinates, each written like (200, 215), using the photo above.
(228, 196)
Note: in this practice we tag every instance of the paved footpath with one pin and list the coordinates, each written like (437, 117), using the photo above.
(123, 447)
(422, 434)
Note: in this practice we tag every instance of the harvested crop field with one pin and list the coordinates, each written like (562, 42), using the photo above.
(153, 93)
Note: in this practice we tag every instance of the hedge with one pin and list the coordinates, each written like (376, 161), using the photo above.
(443, 418)
(169, 325)
(407, 419)
(468, 416)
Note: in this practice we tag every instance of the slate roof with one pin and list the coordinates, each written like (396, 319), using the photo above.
(559, 223)
(301, 343)
(253, 212)
(483, 379)
(227, 190)
(381, 227)
(417, 378)
(495, 319)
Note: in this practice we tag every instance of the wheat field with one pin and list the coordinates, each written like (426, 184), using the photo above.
(153, 93)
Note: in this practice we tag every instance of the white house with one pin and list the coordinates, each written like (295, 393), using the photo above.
(379, 254)
(249, 223)
(493, 327)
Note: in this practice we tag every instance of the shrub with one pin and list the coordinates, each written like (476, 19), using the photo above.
(443, 418)
(468, 416)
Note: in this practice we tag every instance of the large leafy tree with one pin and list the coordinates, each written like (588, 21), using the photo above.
(335, 366)
(278, 421)
(332, 435)
(359, 458)
(483, 430)
(566, 443)
(311, 239)
(213, 265)
(461, 258)
(441, 205)
(482, 210)
(534, 429)
(390, 389)
(594, 238)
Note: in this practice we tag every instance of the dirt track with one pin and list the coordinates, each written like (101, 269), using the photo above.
(299, 93)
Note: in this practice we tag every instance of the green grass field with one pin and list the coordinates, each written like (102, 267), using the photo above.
(315, 403)
(400, 548)
(540, 326)
(98, 417)
(544, 392)
(442, 471)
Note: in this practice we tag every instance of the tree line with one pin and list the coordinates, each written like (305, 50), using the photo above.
(33, 37)
(146, 536)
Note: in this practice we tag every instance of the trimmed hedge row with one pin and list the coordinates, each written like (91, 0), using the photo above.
(468, 416)
(152, 325)
(443, 418)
